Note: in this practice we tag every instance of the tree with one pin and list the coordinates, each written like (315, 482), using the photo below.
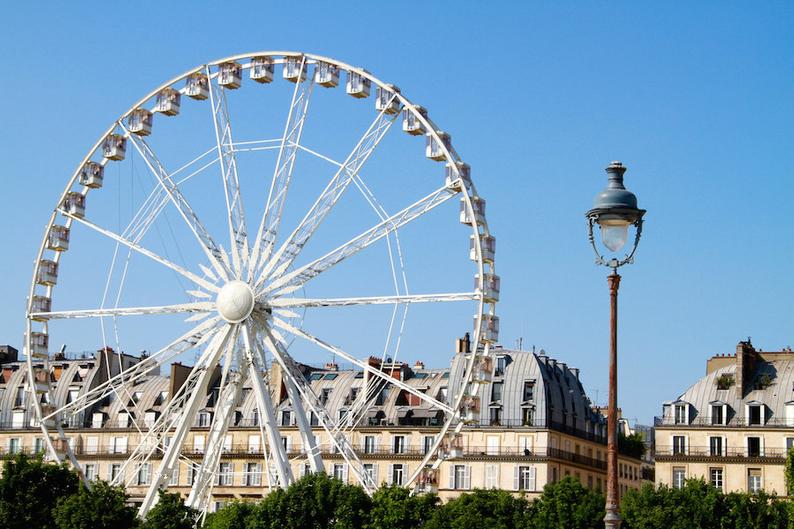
(235, 515)
(29, 491)
(567, 504)
(102, 507)
(631, 445)
(170, 513)
(696, 504)
(481, 509)
(790, 472)
(394, 507)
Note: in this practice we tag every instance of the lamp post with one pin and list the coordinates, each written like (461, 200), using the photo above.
(614, 210)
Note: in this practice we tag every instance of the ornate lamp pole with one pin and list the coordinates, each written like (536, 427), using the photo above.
(614, 210)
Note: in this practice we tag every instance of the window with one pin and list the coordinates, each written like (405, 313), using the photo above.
(150, 418)
(681, 414)
(38, 445)
(286, 418)
(115, 470)
(679, 476)
(397, 474)
(198, 444)
(496, 391)
(492, 445)
(324, 395)
(173, 481)
(754, 483)
(460, 477)
(145, 474)
(339, 472)
(369, 444)
(14, 445)
(524, 478)
(589, 481)
(715, 446)
(90, 472)
(754, 414)
(679, 445)
(20, 397)
(18, 419)
(191, 474)
(754, 447)
(253, 475)
(371, 471)
(529, 390)
(74, 392)
(789, 443)
(496, 416)
(717, 414)
(123, 420)
(119, 445)
(286, 443)
(91, 445)
(715, 477)
(203, 420)
(501, 364)
(398, 444)
(491, 476)
(313, 420)
(225, 474)
(527, 416)
(427, 443)
(97, 419)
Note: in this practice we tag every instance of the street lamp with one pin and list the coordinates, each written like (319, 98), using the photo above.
(614, 210)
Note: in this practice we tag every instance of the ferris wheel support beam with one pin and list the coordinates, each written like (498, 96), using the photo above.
(201, 306)
(294, 280)
(282, 174)
(143, 251)
(267, 414)
(291, 247)
(363, 365)
(208, 245)
(290, 371)
(238, 232)
(287, 303)
(205, 371)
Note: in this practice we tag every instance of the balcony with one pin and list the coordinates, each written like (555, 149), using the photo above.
(736, 421)
(667, 453)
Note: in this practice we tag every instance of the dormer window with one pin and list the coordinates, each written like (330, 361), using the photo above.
(123, 420)
(501, 365)
(755, 413)
(790, 413)
(496, 391)
(529, 390)
(681, 413)
(719, 413)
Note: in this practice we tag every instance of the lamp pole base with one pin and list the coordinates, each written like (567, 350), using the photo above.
(612, 520)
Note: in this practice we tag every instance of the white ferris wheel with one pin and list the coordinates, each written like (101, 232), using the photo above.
(216, 241)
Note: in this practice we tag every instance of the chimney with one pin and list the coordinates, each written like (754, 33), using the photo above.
(746, 360)
(463, 345)
(331, 366)
(8, 354)
(419, 365)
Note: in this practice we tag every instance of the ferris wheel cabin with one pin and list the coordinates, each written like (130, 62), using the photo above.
(294, 69)
(262, 69)
(478, 207)
(326, 75)
(489, 328)
(488, 248)
(464, 173)
(40, 304)
(197, 86)
(412, 124)
(435, 150)
(114, 147)
(140, 122)
(92, 174)
(470, 409)
(47, 274)
(74, 204)
(168, 102)
(230, 75)
(357, 85)
(39, 345)
(386, 99)
(490, 288)
(58, 238)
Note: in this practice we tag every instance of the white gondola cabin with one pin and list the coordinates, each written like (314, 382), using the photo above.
(40, 304)
(490, 287)
(262, 69)
(357, 85)
(294, 69)
(488, 248)
(463, 172)
(483, 369)
(74, 204)
(92, 174)
(47, 274)
(326, 75)
(230, 74)
(41, 381)
(58, 238)
(434, 149)
(39, 344)
(386, 99)
(140, 122)
(168, 102)
(427, 480)
(197, 86)
(114, 147)
(470, 409)
(489, 328)
(411, 123)
(452, 446)
(478, 207)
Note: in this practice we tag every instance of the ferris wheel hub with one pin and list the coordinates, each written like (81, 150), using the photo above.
(235, 301)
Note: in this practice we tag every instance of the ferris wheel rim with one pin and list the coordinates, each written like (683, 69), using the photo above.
(479, 228)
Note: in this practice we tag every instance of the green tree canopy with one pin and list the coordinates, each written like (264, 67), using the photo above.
(235, 515)
(102, 507)
(481, 509)
(30, 490)
(394, 507)
(170, 513)
(567, 504)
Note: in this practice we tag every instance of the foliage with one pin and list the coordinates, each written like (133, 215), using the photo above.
(631, 445)
(567, 504)
(394, 507)
(170, 513)
(724, 381)
(29, 491)
(482, 509)
(102, 507)
(789, 472)
(235, 515)
(763, 382)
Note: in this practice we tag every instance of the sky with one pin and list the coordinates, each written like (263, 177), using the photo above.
(696, 99)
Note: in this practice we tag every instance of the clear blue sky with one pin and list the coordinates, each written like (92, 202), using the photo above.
(696, 99)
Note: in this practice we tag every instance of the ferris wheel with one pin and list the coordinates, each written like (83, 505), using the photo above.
(217, 234)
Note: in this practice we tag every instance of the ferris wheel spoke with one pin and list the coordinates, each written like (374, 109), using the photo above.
(193, 338)
(143, 251)
(204, 373)
(282, 174)
(254, 356)
(231, 185)
(293, 245)
(371, 300)
(362, 365)
(208, 245)
(201, 306)
(294, 280)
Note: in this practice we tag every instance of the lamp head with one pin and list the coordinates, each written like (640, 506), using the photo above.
(615, 209)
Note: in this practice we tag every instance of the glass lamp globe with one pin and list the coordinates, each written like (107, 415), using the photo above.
(615, 209)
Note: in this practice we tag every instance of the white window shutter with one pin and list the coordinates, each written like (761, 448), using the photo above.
(390, 477)
(762, 446)
(375, 472)
(516, 478)
(344, 472)
(467, 477)
(451, 476)
(531, 478)
(377, 442)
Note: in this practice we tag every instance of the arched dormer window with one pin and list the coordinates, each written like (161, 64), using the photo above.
(718, 413)
(681, 412)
